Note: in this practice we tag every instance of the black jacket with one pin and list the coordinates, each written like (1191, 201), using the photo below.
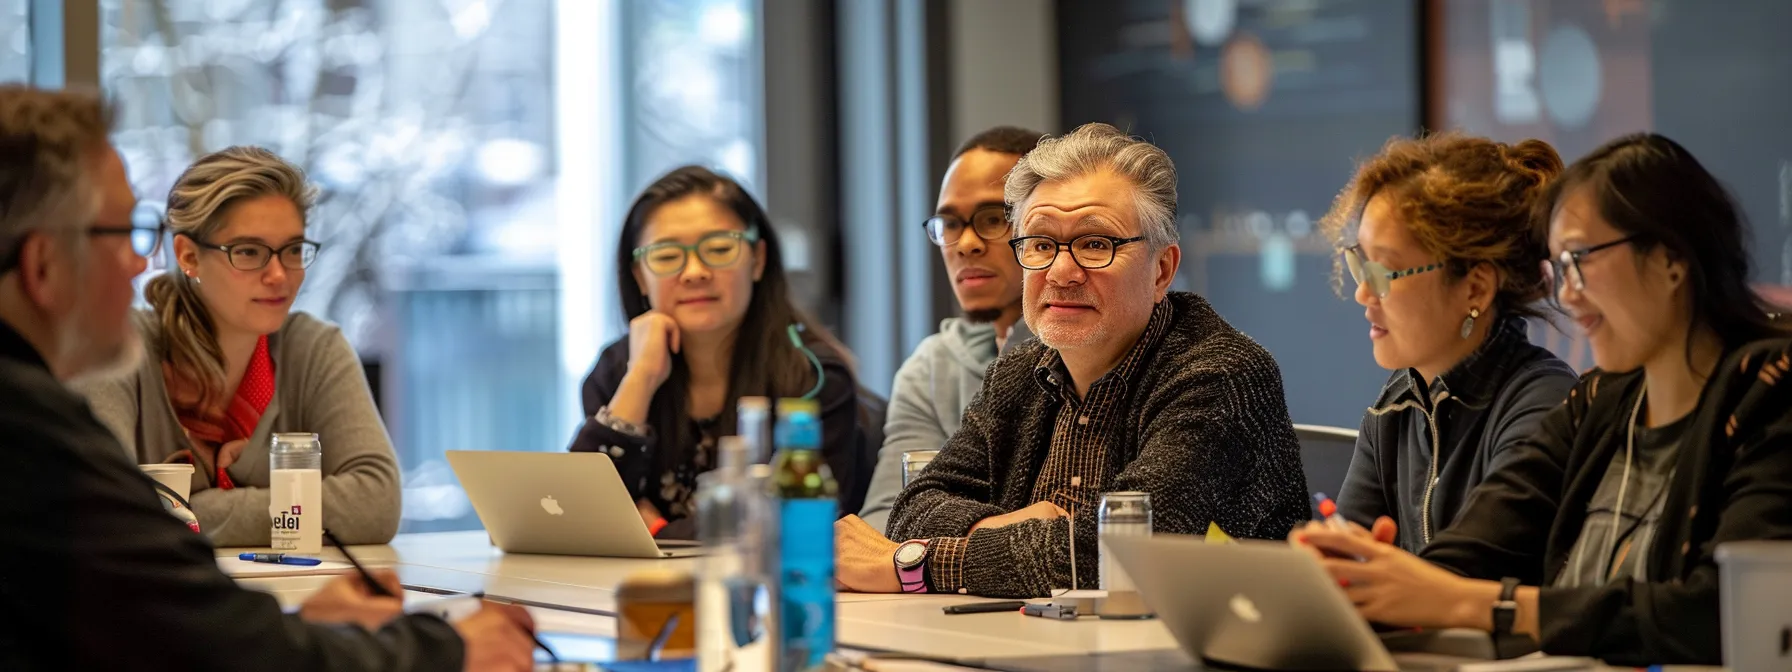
(640, 461)
(1732, 482)
(95, 575)
(1465, 420)
(1206, 433)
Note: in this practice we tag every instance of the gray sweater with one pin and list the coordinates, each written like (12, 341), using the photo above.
(931, 391)
(319, 387)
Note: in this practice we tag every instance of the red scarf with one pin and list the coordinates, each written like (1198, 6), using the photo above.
(219, 424)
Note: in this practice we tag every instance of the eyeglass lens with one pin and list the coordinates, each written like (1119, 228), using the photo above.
(1038, 252)
(988, 223)
(255, 256)
(715, 251)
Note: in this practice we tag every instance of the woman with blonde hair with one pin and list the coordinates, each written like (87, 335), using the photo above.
(230, 363)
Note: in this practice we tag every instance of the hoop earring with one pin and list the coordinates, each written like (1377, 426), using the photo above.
(1468, 325)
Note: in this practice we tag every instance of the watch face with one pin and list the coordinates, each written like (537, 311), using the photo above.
(910, 554)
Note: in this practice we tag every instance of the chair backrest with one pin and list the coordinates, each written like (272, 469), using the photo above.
(872, 410)
(1325, 454)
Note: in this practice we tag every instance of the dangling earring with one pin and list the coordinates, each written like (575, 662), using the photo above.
(1468, 325)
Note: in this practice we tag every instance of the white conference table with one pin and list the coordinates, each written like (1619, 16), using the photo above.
(466, 562)
(578, 595)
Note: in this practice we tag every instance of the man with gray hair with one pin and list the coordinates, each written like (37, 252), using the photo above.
(96, 574)
(1129, 388)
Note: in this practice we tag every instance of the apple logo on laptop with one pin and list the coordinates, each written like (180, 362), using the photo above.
(1244, 609)
(552, 507)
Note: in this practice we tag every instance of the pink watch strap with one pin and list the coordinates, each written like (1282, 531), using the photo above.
(914, 579)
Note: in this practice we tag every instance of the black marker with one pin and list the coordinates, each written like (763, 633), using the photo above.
(984, 607)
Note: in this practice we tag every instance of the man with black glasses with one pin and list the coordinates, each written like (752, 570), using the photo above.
(95, 574)
(932, 388)
(1129, 387)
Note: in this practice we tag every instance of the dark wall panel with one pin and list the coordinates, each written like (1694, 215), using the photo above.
(1264, 106)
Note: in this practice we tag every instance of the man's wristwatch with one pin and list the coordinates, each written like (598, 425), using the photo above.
(911, 565)
(1505, 616)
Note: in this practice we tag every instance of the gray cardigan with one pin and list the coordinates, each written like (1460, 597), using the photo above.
(319, 387)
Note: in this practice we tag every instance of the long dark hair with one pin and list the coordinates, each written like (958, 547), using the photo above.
(1650, 187)
(765, 362)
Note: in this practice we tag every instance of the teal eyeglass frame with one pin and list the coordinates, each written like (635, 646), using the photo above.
(1379, 278)
(749, 236)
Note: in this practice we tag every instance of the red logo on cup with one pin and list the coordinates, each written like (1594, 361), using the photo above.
(295, 509)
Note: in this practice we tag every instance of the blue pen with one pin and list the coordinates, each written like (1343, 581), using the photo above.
(280, 559)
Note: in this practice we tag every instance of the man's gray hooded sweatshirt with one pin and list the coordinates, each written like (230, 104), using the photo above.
(931, 392)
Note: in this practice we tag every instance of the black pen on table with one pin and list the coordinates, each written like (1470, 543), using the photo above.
(380, 590)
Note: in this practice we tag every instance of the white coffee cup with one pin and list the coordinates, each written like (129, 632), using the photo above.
(1754, 587)
(178, 477)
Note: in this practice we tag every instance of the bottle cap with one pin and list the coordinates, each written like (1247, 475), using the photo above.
(732, 453)
(794, 405)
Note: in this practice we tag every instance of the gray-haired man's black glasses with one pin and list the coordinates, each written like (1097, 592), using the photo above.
(1090, 251)
(294, 256)
(147, 230)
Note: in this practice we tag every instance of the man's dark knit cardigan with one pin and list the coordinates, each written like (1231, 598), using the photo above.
(1194, 415)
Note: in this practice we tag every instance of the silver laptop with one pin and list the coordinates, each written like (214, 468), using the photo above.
(1256, 604)
(557, 503)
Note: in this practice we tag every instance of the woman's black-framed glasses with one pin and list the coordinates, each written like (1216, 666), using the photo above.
(1566, 266)
(719, 249)
(247, 256)
(1379, 278)
(988, 223)
(147, 230)
(1090, 250)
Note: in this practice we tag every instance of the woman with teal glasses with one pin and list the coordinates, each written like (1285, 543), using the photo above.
(710, 321)
(1436, 232)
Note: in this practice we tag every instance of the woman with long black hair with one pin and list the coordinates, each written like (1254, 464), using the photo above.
(702, 284)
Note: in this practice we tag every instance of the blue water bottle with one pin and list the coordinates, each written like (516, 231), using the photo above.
(805, 494)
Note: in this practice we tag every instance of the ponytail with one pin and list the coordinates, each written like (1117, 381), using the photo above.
(196, 206)
(187, 332)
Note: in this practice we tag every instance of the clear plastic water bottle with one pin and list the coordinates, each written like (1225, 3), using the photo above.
(1125, 514)
(721, 570)
(296, 493)
(753, 416)
(759, 545)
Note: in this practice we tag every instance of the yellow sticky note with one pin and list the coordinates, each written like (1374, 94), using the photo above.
(1215, 535)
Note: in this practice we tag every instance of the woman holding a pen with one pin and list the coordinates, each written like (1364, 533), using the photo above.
(1597, 536)
(1436, 232)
